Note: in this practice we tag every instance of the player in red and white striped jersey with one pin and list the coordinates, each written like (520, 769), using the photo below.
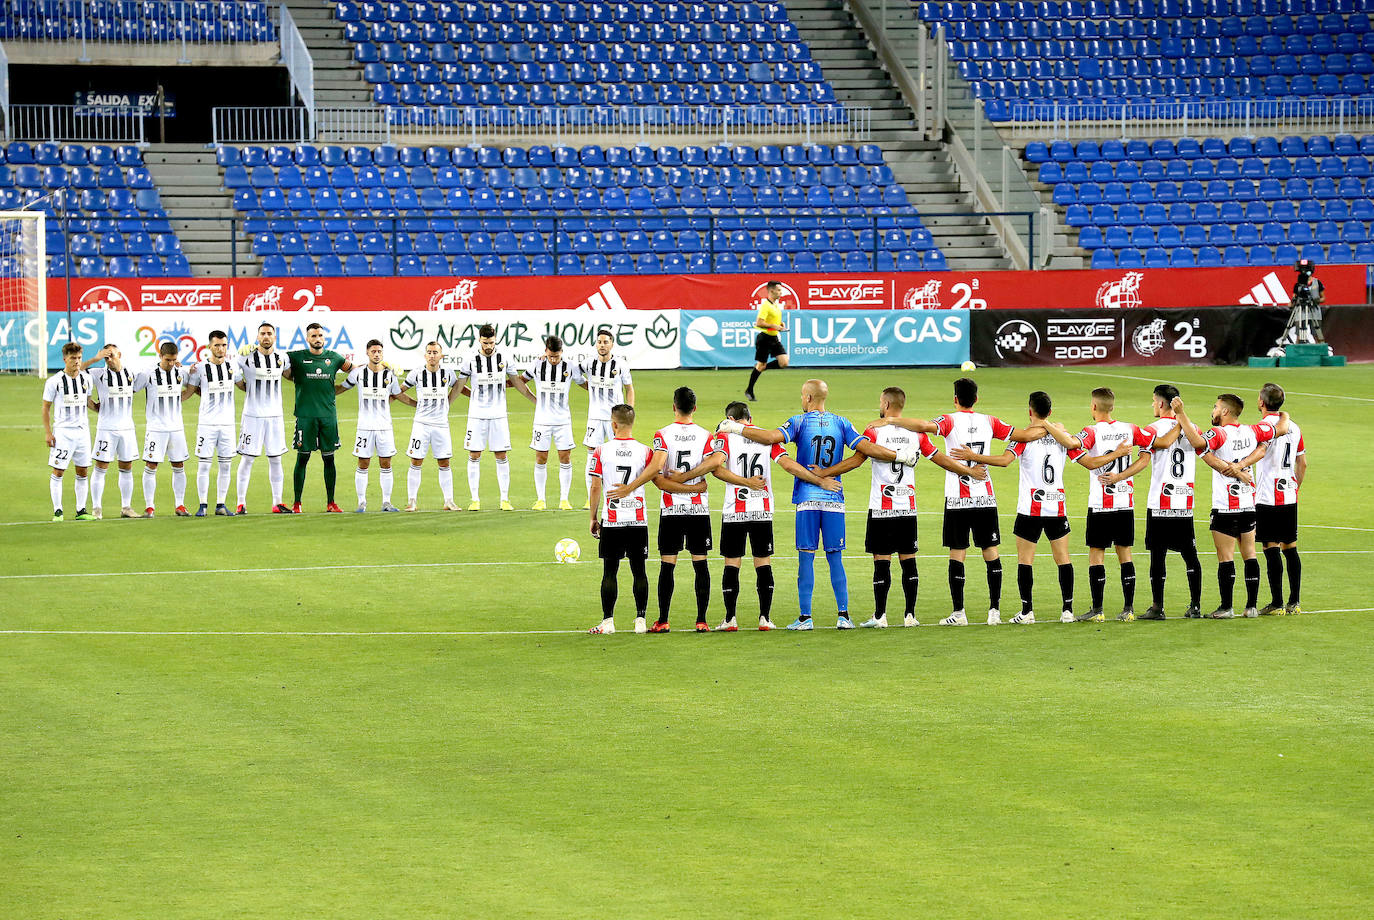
(1040, 503)
(1279, 471)
(1233, 500)
(684, 520)
(619, 470)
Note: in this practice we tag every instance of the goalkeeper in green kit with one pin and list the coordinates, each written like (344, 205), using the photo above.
(312, 370)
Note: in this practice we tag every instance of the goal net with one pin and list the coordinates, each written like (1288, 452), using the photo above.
(23, 293)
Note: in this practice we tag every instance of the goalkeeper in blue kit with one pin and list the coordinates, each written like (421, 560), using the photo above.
(821, 438)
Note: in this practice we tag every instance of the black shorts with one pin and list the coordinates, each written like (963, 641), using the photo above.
(678, 530)
(767, 346)
(981, 522)
(889, 536)
(1030, 527)
(624, 543)
(1169, 533)
(1233, 523)
(1276, 523)
(734, 535)
(1110, 528)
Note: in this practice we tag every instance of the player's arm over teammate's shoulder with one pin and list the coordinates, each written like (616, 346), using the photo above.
(780, 435)
(651, 469)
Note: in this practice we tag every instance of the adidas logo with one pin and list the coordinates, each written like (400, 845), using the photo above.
(1268, 293)
(605, 298)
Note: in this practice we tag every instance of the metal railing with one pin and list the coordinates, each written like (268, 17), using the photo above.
(4, 93)
(180, 24)
(257, 124)
(295, 57)
(1164, 118)
(77, 123)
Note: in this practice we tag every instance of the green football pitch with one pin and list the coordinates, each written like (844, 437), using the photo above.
(399, 716)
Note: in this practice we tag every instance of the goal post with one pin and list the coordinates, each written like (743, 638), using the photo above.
(23, 292)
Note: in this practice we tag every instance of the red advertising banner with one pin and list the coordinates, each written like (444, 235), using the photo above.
(993, 290)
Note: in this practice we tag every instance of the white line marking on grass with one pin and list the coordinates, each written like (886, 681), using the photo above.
(1162, 378)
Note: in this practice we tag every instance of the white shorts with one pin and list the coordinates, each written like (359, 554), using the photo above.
(552, 437)
(598, 432)
(165, 445)
(115, 444)
(438, 441)
(70, 447)
(215, 441)
(487, 434)
(377, 442)
(262, 435)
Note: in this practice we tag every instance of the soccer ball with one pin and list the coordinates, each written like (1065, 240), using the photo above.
(967, 366)
(567, 550)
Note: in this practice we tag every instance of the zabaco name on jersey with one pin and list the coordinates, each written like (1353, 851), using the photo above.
(686, 445)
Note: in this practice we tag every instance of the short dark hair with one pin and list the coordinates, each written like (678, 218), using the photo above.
(623, 414)
(168, 348)
(488, 331)
(1105, 398)
(1041, 404)
(266, 325)
(1167, 392)
(217, 334)
(606, 331)
(684, 400)
(966, 392)
(314, 326)
(1232, 402)
(1271, 396)
(896, 397)
(553, 343)
(435, 344)
(738, 411)
(71, 348)
(371, 342)
(773, 283)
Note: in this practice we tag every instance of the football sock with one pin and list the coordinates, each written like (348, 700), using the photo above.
(245, 474)
(911, 582)
(729, 589)
(1290, 555)
(956, 584)
(331, 476)
(806, 582)
(298, 476)
(541, 478)
(994, 583)
(640, 586)
(1226, 581)
(753, 379)
(80, 484)
(149, 487)
(772, 365)
(446, 482)
(97, 487)
(1128, 583)
(474, 478)
(665, 590)
(702, 584)
(412, 483)
(388, 481)
(203, 482)
(1158, 570)
(764, 588)
(564, 481)
(1025, 583)
(1066, 584)
(1097, 584)
(126, 487)
(1192, 567)
(1252, 580)
(839, 583)
(222, 480)
(882, 583)
(1273, 565)
(179, 485)
(609, 588)
(276, 478)
(503, 478)
(587, 473)
(55, 490)
(360, 484)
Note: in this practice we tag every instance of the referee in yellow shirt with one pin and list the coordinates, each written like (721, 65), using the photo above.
(768, 350)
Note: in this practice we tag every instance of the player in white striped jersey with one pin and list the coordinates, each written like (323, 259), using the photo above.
(216, 439)
(554, 378)
(608, 384)
(67, 429)
(163, 388)
(488, 374)
(262, 429)
(1280, 467)
(620, 523)
(115, 436)
(434, 386)
(375, 436)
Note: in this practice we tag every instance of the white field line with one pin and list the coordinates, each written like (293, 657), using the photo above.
(1164, 378)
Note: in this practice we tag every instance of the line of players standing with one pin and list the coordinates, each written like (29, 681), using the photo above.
(1256, 472)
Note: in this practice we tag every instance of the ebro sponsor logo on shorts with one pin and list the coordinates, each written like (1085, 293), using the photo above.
(1080, 338)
